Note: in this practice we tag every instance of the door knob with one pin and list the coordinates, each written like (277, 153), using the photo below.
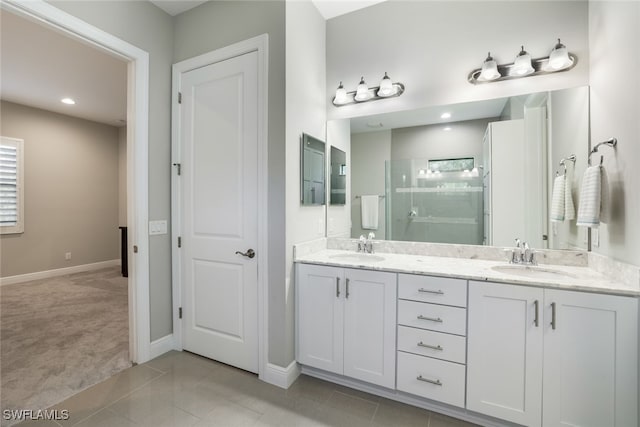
(249, 254)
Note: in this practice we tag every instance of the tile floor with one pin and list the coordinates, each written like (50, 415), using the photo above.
(181, 389)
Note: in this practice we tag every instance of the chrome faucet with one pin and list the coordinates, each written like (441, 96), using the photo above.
(523, 254)
(365, 244)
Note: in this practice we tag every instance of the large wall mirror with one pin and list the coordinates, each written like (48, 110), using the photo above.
(472, 173)
(312, 178)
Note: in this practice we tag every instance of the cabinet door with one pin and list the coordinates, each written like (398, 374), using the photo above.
(319, 311)
(504, 360)
(370, 326)
(590, 360)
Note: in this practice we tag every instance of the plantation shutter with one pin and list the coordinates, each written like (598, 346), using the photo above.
(11, 186)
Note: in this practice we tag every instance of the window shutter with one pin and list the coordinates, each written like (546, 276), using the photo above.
(11, 186)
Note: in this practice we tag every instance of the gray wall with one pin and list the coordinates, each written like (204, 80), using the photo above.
(305, 112)
(614, 29)
(146, 26)
(369, 152)
(71, 191)
(432, 142)
(216, 24)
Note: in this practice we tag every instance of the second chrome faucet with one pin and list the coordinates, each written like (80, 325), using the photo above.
(365, 244)
(523, 254)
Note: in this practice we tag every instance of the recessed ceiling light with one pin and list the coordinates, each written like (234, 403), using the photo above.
(68, 101)
(445, 116)
(447, 129)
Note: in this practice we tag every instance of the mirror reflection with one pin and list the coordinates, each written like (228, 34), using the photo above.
(473, 173)
(312, 185)
(338, 176)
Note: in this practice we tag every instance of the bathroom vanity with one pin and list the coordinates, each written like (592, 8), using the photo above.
(478, 339)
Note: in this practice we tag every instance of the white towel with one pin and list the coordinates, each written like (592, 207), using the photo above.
(590, 198)
(369, 212)
(557, 212)
(569, 207)
(605, 200)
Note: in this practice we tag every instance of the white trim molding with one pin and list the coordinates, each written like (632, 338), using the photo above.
(47, 274)
(137, 154)
(161, 346)
(259, 44)
(281, 377)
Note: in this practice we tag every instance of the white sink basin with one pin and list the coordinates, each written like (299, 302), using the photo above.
(531, 272)
(357, 257)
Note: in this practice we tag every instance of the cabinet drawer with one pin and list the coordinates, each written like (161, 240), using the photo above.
(433, 344)
(438, 290)
(447, 378)
(434, 317)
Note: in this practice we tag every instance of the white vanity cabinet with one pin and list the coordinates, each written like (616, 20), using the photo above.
(545, 357)
(346, 322)
(432, 328)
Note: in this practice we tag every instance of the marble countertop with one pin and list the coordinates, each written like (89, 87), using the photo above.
(552, 276)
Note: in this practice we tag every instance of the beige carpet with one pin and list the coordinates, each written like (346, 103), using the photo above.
(61, 335)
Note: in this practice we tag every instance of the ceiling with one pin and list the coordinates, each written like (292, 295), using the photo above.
(429, 116)
(40, 66)
(327, 8)
(332, 8)
(176, 7)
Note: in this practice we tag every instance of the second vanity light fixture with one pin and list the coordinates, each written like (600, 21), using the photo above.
(523, 66)
(364, 93)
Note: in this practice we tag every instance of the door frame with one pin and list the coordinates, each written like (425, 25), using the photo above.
(259, 44)
(137, 153)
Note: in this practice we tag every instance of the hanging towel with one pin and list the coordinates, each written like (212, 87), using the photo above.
(369, 211)
(605, 200)
(557, 213)
(590, 198)
(569, 207)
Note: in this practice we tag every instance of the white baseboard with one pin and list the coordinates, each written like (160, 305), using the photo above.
(11, 280)
(161, 346)
(279, 376)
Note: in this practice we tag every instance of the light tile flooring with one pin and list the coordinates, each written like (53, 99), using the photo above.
(181, 389)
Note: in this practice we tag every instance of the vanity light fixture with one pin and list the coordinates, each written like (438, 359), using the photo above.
(559, 58)
(523, 66)
(363, 93)
(489, 69)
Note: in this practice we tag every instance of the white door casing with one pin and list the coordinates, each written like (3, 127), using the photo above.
(228, 157)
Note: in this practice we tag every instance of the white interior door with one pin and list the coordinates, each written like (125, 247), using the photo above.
(219, 210)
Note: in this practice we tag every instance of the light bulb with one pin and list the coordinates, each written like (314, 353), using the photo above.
(522, 64)
(386, 87)
(341, 95)
(362, 92)
(559, 58)
(489, 69)
(68, 101)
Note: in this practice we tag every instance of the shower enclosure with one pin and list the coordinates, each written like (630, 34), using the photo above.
(438, 201)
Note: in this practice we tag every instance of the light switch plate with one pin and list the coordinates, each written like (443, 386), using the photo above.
(157, 227)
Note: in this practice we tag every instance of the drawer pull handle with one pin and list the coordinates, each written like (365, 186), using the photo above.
(427, 380)
(428, 291)
(431, 319)
(553, 315)
(536, 319)
(337, 287)
(434, 347)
